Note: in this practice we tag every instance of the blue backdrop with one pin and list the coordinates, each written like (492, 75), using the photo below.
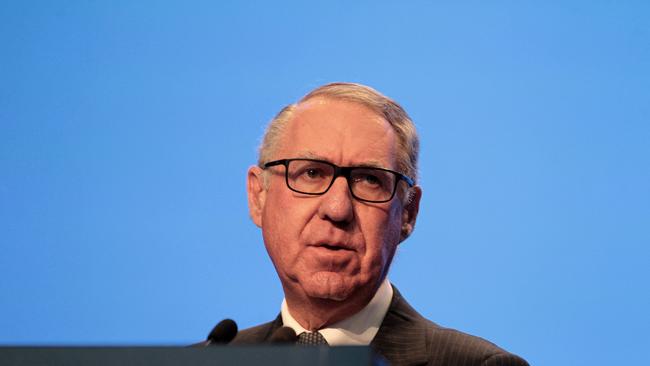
(126, 128)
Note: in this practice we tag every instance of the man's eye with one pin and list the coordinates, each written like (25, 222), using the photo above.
(313, 173)
(371, 179)
(368, 179)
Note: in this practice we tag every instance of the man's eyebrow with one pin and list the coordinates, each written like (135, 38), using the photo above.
(365, 164)
(371, 164)
(310, 155)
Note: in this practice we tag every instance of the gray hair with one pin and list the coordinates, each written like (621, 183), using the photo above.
(407, 137)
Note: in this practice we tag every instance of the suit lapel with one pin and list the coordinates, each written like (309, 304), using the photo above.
(258, 334)
(401, 338)
(275, 325)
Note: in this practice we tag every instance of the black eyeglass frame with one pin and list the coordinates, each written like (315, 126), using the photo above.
(339, 171)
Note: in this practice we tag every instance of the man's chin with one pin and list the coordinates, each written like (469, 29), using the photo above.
(328, 286)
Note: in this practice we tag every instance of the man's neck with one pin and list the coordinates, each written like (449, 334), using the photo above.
(357, 329)
(315, 313)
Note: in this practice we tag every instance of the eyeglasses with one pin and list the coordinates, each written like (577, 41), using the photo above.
(315, 177)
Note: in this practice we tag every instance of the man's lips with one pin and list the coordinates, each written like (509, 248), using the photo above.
(333, 246)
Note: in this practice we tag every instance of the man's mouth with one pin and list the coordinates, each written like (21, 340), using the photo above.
(334, 247)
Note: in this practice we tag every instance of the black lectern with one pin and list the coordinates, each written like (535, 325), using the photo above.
(186, 356)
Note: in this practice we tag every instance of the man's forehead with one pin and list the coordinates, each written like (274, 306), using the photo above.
(323, 113)
(341, 132)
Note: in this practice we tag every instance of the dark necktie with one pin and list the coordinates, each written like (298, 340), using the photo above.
(311, 339)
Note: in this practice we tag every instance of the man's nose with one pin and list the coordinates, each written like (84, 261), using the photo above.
(336, 203)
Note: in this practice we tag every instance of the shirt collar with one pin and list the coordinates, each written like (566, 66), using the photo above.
(358, 329)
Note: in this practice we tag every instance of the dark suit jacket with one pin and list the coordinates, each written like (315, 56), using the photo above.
(407, 338)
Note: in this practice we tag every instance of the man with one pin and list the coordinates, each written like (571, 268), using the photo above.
(335, 193)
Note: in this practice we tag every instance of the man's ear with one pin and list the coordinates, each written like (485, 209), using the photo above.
(256, 194)
(410, 211)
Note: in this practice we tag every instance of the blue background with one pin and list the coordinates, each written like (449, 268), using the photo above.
(126, 128)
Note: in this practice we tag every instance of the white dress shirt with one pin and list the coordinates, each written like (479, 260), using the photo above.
(357, 330)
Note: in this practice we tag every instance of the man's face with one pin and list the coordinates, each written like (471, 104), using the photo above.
(330, 246)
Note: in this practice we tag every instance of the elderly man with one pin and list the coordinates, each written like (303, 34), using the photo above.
(335, 193)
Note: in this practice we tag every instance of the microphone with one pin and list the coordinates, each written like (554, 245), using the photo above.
(283, 335)
(222, 333)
